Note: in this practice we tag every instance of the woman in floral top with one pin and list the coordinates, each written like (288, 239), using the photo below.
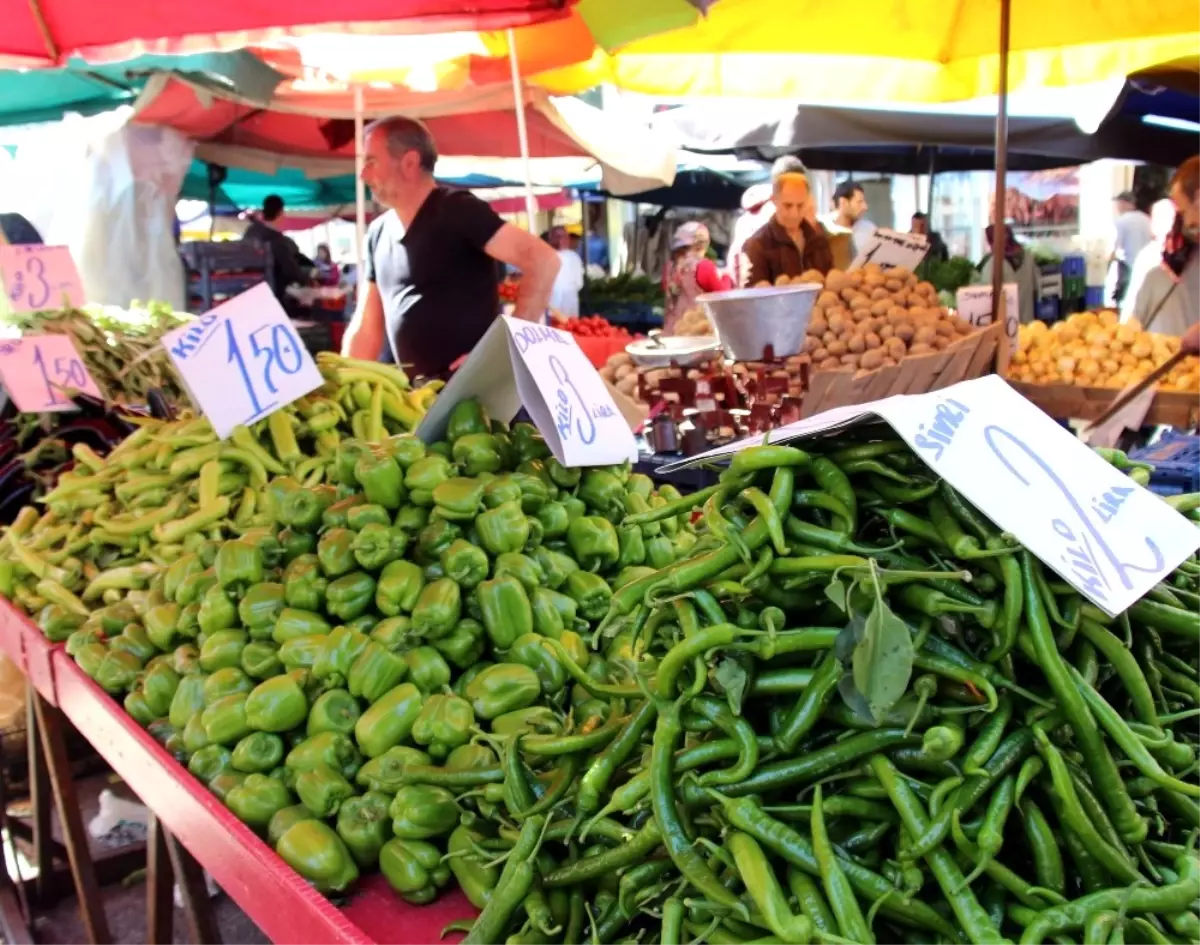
(689, 273)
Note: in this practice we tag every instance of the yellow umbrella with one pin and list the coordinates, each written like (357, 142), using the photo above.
(874, 51)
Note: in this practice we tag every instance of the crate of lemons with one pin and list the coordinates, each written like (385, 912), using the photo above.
(1093, 349)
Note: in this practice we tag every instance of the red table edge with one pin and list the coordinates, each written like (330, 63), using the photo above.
(25, 644)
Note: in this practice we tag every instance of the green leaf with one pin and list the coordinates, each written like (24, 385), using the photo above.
(733, 680)
(835, 590)
(883, 660)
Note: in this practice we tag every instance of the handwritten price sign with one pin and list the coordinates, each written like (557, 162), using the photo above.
(242, 361)
(889, 249)
(38, 370)
(38, 278)
(974, 303)
(1109, 538)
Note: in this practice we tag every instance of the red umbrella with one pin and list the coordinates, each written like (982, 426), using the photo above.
(48, 32)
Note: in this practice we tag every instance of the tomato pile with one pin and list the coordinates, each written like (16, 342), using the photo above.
(508, 290)
(591, 326)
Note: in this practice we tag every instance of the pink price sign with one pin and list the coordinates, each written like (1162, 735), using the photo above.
(40, 278)
(38, 370)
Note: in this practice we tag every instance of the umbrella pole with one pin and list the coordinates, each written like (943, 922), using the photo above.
(522, 132)
(360, 196)
(1000, 233)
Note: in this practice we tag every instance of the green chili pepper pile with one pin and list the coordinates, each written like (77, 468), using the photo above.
(823, 699)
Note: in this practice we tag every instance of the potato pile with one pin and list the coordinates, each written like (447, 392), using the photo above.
(693, 323)
(621, 372)
(871, 318)
(1092, 349)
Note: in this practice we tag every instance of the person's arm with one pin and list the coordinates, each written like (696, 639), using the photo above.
(538, 263)
(708, 278)
(365, 335)
(1190, 342)
(755, 268)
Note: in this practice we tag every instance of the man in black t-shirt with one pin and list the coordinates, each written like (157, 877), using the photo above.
(431, 259)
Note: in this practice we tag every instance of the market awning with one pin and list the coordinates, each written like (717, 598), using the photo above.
(49, 32)
(312, 129)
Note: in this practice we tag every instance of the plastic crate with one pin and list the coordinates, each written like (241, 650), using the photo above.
(1074, 266)
(1095, 296)
(1176, 460)
(1047, 310)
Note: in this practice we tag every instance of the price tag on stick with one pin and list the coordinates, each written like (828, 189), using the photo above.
(37, 370)
(888, 249)
(39, 278)
(242, 361)
(523, 363)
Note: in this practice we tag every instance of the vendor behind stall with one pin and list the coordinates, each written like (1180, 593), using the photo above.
(431, 273)
(1176, 309)
(792, 242)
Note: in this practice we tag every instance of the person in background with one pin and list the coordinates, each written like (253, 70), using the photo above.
(689, 273)
(1019, 268)
(597, 245)
(1134, 232)
(290, 266)
(327, 269)
(850, 215)
(937, 245)
(757, 209)
(791, 242)
(1177, 312)
(431, 289)
(564, 297)
(1149, 281)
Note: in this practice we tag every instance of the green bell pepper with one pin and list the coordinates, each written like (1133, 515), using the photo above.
(276, 705)
(467, 417)
(160, 623)
(137, 708)
(590, 592)
(133, 640)
(420, 811)
(411, 518)
(464, 563)
(238, 564)
(293, 622)
(276, 494)
(257, 753)
(393, 633)
(345, 459)
(503, 528)
(376, 545)
(604, 493)
(458, 498)
(435, 538)
(535, 492)
(535, 720)
(476, 877)
(338, 514)
(222, 649)
(555, 565)
(350, 596)
(364, 823)
(437, 610)
(159, 686)
(221, 784)
(399, 587)
(632, 546)
(225, 720)
(304, 583)
(531, 650)
(225, 682)
(414, 869)
(284, 819)
(553, 613)
(464, 645)
(82, 637)
(389, 720)
(528, 442)
(335, 551)
(207, 762)
(342, 646)
(260, 607)
(427, 669)
(187, 702)
(325, 748)
(302, 652)
(260, 660)
(471, 757)
(294, 544)
(502, 688)
(185, 659)
(385, 773)
(426, 473)
(304, 509)
(314, 850)
(257, 800)
(404, 448)
(216, 611)
(195, 586)
(188, 626)
(118, 671)
(560, 475)
(193, 735)
(477, 453)
(506, 610)
(374, 672)
(360, 516)
(554, 520)
(521, 566)
(594, 543)
(500, 490)
(334, 711)
(182, 567)
(381, 478)
(444, 723)
(89, 656)
(322, 790)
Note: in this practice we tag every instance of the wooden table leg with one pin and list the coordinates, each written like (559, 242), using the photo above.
(197, 907)
(14, 905)
(41, 805)
(87, 890)
(160, 881)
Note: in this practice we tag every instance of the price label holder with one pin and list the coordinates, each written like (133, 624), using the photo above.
(37, 369)
(1111, 539)
(39, 278)
(519, 363)
(242, 360)
(974, 303)
(888, 249)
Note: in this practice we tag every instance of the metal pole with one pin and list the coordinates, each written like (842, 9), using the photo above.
(1000, 233)
(360, 196)
(522, 132)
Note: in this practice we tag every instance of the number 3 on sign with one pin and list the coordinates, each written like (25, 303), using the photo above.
(283, 352)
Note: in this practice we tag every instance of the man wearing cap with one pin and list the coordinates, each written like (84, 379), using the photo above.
(1134, 232)
(689, 274)
(757, 209)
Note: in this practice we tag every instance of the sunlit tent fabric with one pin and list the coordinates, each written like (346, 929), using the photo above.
(882, 50)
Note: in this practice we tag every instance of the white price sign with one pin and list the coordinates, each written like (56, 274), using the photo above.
(888, 249)
(1111, 539)
(523, 363)
(974, 303)
(242, 361)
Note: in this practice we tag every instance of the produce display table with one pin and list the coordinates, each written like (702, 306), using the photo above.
(599, 350)
(1066, 402)
(285, 907)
